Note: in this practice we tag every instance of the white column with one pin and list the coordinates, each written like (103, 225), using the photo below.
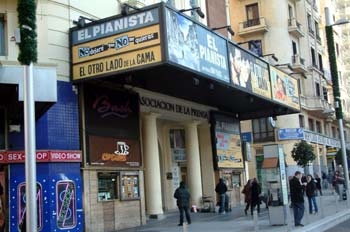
(193, 162)
(152, 168)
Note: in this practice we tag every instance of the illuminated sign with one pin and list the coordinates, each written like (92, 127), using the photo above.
(42, 156)
(66, 204)
(285, 88)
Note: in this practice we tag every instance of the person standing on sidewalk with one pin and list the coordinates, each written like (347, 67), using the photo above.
(318, 184)
(247, 191)
(297, 198)
(183, 201)
(311, 194)
(256, 190)
(221, 189)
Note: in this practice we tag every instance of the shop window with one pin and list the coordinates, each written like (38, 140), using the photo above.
(107, 186)
(2, 35)
(2, 129)
(301, 121)
(262, 130)
(22, 208)
(177, 144)
(130, 189)
(311, 124)
(66, 209)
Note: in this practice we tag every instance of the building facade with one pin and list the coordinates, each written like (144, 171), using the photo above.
(291, 31)
(139, 100)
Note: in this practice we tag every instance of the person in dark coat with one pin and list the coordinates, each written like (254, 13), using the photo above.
(318, 184)
(183, 202)
(247, 191)
(297, 198)
(221, 189)
(255, 196)
(311, 193)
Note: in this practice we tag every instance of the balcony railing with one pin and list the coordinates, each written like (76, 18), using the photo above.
(295, 28)
(296, 59)
(251, 22)
(311, 31)
(253, 26)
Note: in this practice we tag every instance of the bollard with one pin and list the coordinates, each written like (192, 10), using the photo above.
(255, 216)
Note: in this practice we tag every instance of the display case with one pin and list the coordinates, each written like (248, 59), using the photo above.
(129, 185)
(107, 186)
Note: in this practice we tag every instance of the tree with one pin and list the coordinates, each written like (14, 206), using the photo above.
(303, 153)
(339, 156)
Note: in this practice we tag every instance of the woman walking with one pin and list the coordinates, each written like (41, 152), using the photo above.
(247, 195)
(255, 200)
(311, 194)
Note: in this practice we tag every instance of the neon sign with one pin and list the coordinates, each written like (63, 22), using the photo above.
(66, 204)
(21, 201)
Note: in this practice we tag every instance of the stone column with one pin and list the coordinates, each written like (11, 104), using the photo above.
(194, 178)
(152, 168)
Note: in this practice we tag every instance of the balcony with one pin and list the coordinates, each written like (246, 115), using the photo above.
(298, 64)
(253, 26)
(295, 28)
(318, 106)
(311, 32)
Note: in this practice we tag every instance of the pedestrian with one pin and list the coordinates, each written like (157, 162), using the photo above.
(311, 194)
(337, 180)
(255, 196)
(297, 198)
(221, 189)
(247, 195)
(183, 201)
(318, 183)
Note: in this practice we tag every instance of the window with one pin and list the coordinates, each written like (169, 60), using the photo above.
(107, 186)
(311, 124)
(290, 11)
(317, 88)
(320, 63)
(255, 46)
(317, 31)
(325, 93)
(318, 127)
(262, 130)
(129, 186)
(177, 145)
(301, 121)
(252, 12)
(333, 132)
(313, 57)
(2, 35)
(309, 23)
(295, 48)
(337, 48)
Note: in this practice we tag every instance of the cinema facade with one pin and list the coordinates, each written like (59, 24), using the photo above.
(161, 99)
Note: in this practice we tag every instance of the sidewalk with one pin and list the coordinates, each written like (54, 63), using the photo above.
(237, 221)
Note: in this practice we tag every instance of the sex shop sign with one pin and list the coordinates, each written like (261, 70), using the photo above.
(112, 127)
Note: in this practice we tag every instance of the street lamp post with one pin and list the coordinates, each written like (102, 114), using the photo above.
(336, 91)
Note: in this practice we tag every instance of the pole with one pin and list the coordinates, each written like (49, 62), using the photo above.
(30, 155)
(337, 99)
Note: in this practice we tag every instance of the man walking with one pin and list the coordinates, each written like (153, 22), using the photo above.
(221, 189)
(183, 201)
(297, 197)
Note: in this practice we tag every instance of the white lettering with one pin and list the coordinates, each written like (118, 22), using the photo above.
(132, 21)
(109, 27)
(81, 35)
(149, 17)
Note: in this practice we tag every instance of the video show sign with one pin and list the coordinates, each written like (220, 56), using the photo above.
(194, 47)
(117, 44)
(285, 88)
(227, 148)
(249, 72)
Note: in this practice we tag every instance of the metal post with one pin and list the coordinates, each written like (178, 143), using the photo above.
(30, 155)
(336, 93)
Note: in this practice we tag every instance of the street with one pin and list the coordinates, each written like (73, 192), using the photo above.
(343, 227)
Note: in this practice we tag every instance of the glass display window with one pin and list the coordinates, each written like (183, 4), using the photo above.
(108, 183)
(130, 186)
